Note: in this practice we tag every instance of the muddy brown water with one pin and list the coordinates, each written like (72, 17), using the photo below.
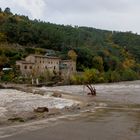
(115, 117)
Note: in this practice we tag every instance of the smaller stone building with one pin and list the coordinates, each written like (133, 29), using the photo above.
(38, 64)
(67, 67)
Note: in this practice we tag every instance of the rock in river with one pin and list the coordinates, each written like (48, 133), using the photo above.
(41, 109)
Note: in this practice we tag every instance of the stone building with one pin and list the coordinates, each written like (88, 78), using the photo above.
(67, 67)
(38, 64)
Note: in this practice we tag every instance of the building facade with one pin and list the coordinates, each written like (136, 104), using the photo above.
(38, 64)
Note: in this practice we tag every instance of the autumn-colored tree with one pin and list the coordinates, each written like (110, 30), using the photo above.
(91, 76)
(128, 63)
(72, 54)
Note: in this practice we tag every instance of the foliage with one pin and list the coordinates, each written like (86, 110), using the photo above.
(72, 54)
(7, 10)
(112, 76)
(114, 55)
(98, 63)
(91, 76)
(87, 77)
(129, 74)
(77, 79)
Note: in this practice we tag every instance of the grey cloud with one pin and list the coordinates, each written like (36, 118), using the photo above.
(106, 14)
(88, 5)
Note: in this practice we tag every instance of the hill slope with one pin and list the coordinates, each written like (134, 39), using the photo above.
(100, 49)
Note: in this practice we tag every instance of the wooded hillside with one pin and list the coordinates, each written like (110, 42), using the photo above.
(112, 53)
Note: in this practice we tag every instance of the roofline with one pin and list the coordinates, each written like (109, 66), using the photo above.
(24, 62)
(67, 60)
(49, 57)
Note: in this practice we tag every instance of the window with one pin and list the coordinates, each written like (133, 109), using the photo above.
(25, 67)
(30, 67)
(54, 67)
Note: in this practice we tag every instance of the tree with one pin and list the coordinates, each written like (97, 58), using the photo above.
(2, 37)
(98, 63)
(72, 54)
(129, 74)
(7, 10)
(91, 76)
(0, 10)
(3, 61)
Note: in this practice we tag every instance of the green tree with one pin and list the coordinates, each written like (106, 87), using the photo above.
(98, 63)
(2, 37)
(91, 76)
(129, 74)
(3, 61)
(115, 76)
(7, 10)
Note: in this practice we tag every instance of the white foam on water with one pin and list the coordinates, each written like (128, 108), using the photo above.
(17, 101)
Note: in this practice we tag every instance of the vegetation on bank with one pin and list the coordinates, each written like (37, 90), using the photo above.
(102, 56)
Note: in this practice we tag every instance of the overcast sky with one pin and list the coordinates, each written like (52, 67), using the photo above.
(121, 15)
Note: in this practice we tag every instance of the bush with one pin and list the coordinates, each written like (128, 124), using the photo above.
(88, 76)
(112, 76)
(76, 79)
(91, 76)
(129, 74)
(115, 76)
(8, 76)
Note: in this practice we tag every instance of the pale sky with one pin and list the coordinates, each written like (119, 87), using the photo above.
(120, 15)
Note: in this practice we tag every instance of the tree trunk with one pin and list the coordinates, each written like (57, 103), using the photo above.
(92, 90)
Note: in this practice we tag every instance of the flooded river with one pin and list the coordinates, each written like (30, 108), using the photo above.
(115, 117)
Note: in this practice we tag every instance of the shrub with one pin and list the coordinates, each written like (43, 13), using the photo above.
(129, 74)
(91, 76)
